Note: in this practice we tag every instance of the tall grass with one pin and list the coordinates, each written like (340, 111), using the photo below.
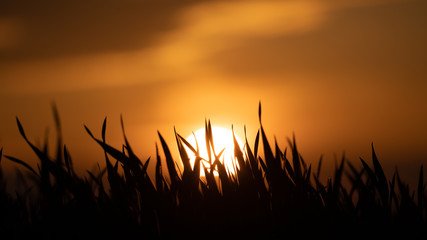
(269, 196)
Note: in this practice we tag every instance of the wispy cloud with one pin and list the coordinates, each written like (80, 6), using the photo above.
(185, 48)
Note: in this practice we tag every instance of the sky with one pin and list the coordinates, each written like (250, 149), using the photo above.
(337, 74)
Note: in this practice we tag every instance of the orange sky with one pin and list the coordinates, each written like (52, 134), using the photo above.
(340, 74)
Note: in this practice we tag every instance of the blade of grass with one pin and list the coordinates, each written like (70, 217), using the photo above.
(196, 152)
(210, 137)
(295, 159)
(159, 182)
(13, 159)
(104, 128)
(144, 168)
(319, 166)
(307, 175)
(131, 153)
(338, 177)
(118, 155)
(58, 132)
(211, 183)
(256, 145)
(238, 152)
(382, 181)
(67, 160)
(207, 138)
(183, 153)
(368, 170)
(169, 162)
(42, 156)
(420, 189)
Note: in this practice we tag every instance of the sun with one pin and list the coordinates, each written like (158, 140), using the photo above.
(222, 139)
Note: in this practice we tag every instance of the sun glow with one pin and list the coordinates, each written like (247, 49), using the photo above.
(222, 139)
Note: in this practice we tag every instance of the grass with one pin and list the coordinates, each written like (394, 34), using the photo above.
(270, 196)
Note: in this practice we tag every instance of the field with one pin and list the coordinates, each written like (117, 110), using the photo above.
(276, 195)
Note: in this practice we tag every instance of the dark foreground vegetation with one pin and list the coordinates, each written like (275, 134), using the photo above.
(270, 196)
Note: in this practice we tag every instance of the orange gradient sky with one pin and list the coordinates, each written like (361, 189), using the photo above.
(339, 74)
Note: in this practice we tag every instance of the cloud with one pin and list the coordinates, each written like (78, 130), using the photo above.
(56, 29)
(141, 42)
(208, 34)
(12, 32)
(214, 27)
(199, 32)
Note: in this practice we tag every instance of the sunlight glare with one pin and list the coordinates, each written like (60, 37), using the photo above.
(222, 138)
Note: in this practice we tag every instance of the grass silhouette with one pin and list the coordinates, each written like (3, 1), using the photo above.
(270, 196)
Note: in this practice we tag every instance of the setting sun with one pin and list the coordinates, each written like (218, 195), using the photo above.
(222, 139)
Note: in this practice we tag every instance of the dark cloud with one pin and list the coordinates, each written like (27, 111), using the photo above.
(58, 28)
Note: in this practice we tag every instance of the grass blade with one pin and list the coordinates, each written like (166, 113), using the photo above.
(196, 152)
(382, 181)
(104, 127)
(59, 134)
(256, 145)
(207, 139)
(295, 159)
(169, 162)
(13, 159)
(159, 180)
(420, 188)
(319, 166)
(183, 153)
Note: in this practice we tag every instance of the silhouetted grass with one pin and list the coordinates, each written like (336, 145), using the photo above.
(270, 196)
